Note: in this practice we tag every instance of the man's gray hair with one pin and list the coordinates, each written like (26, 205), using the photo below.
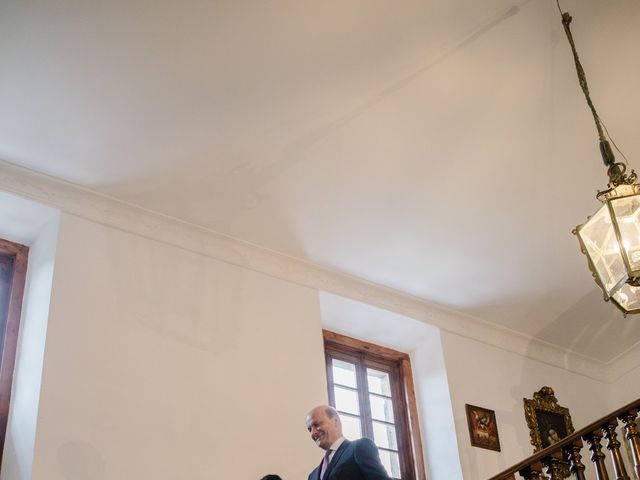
(331, 412)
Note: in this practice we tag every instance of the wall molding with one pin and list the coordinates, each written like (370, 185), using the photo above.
(623, 364)
(90, 205)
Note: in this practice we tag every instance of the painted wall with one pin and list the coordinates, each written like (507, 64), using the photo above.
(450, 371)
(441, 447)
(625, 386)
(161, 363)
(492, 378)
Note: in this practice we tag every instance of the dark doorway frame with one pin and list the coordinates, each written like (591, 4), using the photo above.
(14, 263)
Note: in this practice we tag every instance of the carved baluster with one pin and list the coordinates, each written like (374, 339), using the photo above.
(573, 456)
(633, 437)
(532, 472)
(554, 465)
(597, 457)
(613, 445)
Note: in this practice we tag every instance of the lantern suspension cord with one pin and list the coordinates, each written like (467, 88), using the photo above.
(611, 140)
(605, 149)
(582, 79)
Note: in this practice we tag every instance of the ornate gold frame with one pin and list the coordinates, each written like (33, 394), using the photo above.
(544, 415)
(545, 404)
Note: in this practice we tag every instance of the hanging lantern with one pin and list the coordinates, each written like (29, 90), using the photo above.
(611, 237)
(611, 241)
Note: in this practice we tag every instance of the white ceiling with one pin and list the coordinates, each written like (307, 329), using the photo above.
(442, 148)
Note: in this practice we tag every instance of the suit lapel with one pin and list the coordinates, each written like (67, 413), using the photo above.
(336, 458)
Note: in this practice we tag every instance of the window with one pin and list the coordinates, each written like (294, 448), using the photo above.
(13, 268)
(372, 389)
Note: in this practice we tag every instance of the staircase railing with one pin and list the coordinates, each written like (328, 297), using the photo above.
(568, 451)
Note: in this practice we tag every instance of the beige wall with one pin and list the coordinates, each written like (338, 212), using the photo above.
(492, 378)
(167, 364)
(626, 389)
(451, 370)
(164, 364)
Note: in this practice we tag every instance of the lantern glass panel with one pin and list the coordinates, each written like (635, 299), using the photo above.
(601, 244)
(626, 212)
(628, 298)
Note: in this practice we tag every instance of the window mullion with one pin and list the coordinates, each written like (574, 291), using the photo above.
(363, 395)
(406, 464)
(330, 385)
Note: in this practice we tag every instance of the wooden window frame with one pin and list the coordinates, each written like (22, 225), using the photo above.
(405, 408)
(12, 325)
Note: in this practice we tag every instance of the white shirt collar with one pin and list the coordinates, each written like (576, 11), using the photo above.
(335, 446)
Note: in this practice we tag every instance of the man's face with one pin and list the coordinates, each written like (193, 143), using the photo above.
(324, 430)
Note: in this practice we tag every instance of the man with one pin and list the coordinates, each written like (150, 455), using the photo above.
(343, 460)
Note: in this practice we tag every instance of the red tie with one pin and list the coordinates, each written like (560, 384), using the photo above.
(325, 464)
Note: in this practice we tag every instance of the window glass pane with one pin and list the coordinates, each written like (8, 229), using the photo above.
(344, 373)
(599, 239)
(381, 408)
(6, 272)
(351, 427)
(378, 382)
(627, 213)
(385, 435)
(346, 400)
(391, 462)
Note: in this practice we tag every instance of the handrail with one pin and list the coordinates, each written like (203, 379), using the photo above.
(577, 436)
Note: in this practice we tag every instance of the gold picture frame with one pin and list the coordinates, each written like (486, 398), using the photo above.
(548, 422)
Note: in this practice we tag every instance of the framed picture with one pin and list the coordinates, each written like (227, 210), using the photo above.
(483, 429)
(548, 422)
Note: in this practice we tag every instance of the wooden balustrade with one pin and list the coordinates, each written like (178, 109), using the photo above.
(568, 453)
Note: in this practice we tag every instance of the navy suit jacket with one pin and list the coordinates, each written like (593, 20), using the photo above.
(357, 460)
